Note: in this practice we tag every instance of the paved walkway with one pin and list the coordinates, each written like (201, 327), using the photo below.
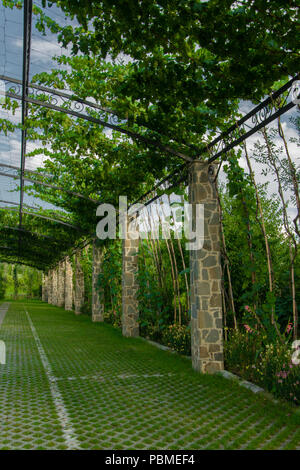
(68, 383)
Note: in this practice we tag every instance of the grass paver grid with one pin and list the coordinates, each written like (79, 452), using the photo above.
(123, 393)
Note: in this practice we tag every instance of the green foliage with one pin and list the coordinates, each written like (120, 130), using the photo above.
(86, 264)
(178, 337)
(205, 36)
(188, 64)
(110, 281)
(18, 281)
(3, 284)
(243, 237)
(185, 71)
(154, 300)
(249, 354)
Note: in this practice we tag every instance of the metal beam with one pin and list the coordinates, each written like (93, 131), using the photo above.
(53, 91)
(268, 101)
(51, 242)
(248, 134)
(16, 204)
(264, 109)
(100, 122)
(27, 21)
(40, 268)
(59, 221)
(27, 253)
(13, 167)
(52, 186)
(6, 227)
(85, 103)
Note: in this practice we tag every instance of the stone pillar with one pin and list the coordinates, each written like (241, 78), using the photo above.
(50, 279)
(61, 284)
(68, 284)
(54, 286)
(130, 307)
(79, 285)
(205, 275)
(97, 294)
(44, 287)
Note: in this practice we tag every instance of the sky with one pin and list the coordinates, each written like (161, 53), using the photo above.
(42, 51)
(11, 56)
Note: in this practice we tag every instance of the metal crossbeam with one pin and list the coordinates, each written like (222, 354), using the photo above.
(35, 214)
(100, 122)
(35, 234)
(262, 107)
(14, 251)
(13, 167)
(25, 82)
(6, 227)
(40, 267)
(67, 96)
(84, 106)
(261, 115)
(48, 185)
(15, 204)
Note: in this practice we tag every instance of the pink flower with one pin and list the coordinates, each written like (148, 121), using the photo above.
(247, 308)
(247, 327)
(289, 327)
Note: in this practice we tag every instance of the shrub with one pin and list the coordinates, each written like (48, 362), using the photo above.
(86, 308)
(269, 365)
(114, 318)
(178, 337)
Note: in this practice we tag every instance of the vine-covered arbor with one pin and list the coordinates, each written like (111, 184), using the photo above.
(140, 156)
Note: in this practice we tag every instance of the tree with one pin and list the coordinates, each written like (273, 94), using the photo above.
(16, 282)
(2, 282)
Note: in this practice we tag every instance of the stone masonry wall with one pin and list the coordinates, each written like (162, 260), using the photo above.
(97, 297)
(44, 287)
(130, 308)
(68, 284)
(50, 286)
(79, 285)
(205, 276)
(61, 284)
(54, 286)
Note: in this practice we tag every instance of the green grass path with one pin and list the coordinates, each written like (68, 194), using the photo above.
(102, 391)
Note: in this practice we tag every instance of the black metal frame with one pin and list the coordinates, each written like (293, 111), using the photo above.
(37, 237)
(26, 92)
(51, 219)
(40, 267)
(134, 135)
(262, 115)
(107, 117)
(42, 183)
(15, 204)
(25, 82)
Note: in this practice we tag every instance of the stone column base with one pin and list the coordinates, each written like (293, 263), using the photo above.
(205, 276)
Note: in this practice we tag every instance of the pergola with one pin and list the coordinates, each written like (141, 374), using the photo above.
(32, 248)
